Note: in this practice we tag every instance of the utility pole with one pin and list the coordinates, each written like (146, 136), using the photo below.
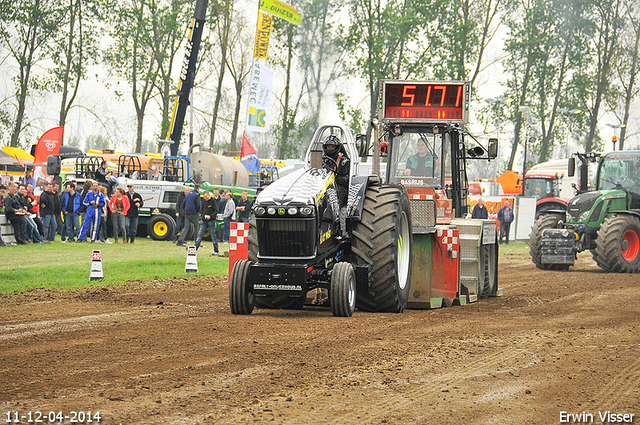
(529, 118)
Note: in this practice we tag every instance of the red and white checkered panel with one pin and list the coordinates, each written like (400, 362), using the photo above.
(420, 196)
(191, 250)
(238, 234)
(238, 244)
(449, 237)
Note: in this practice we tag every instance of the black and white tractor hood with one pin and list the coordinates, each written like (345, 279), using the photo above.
(301, 187)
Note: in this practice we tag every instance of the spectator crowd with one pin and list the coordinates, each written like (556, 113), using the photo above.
(82, 214)
(200, 214)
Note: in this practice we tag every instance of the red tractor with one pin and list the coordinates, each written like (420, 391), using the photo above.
(545, 188)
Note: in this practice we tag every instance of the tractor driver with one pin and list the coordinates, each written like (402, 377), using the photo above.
(420, 164)
(335, 159)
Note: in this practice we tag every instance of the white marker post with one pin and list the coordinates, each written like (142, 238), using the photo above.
(191, 266)
(96, 266)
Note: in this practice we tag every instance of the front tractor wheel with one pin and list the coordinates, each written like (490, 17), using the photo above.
(546, 221)
(342, 295)
(618, 244)
(160, 227)
(382, 240)
(241, 298)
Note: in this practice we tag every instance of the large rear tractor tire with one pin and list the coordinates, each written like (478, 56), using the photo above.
(241, 298)
(546, 221)
(342, 295)
(488, 270)
(160, 227)
(382, 239)
(618, 244)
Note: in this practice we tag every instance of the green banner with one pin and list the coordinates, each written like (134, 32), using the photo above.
(281, 9)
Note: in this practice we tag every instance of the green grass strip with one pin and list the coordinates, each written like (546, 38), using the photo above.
(66, 266)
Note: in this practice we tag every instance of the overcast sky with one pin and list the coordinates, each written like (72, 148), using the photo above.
(98, 111)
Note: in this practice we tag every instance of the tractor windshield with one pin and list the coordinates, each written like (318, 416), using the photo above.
(539, 187)
(620, 170)
(416, 155)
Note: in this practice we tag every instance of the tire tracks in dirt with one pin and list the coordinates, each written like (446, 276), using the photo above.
(81, 323)
(505, 360)
(623, 387)
(386, 399)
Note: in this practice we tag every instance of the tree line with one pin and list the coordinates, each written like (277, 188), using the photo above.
(569, 61)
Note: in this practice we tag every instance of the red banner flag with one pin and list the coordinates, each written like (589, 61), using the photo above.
(248, 156)
(49, 144)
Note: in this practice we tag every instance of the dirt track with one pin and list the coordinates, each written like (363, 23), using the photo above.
(169, 352)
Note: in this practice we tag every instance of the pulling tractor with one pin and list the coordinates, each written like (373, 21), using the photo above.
(398, 241)
(605, 221)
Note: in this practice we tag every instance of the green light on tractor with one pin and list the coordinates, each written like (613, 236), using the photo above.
(380, 105)
(466, 106)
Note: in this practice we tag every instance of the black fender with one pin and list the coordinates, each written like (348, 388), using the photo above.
(355, 203)
(633, 213)
(551, 206)
(550, 209)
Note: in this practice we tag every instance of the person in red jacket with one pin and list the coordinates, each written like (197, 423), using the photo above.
(119, 205)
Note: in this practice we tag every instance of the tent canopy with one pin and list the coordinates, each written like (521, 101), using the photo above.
(17, 152)
(10, 165)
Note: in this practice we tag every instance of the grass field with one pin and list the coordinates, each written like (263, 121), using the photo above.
(514, 248)
(66, 266)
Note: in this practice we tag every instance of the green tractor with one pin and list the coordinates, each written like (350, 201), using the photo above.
(605, 221)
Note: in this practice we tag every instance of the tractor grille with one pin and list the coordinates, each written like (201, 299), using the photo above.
(423, 212)
(286, 237)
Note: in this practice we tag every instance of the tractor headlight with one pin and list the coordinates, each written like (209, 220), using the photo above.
(271, 211)
(584, 216)
(259, 210)
(306, 210)
(292, 211)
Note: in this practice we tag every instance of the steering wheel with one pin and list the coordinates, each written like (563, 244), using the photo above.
(329, 163)
(628, 183)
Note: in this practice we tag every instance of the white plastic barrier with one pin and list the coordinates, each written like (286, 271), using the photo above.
(524, 210)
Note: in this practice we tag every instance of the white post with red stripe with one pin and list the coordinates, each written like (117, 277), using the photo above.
(96, 272)
(191, 265)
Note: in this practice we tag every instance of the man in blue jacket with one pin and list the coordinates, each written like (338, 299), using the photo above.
(192, 206)
(94, 202)
(505, 217)
(70, 206)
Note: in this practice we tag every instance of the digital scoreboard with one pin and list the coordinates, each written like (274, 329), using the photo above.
(419, 101)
